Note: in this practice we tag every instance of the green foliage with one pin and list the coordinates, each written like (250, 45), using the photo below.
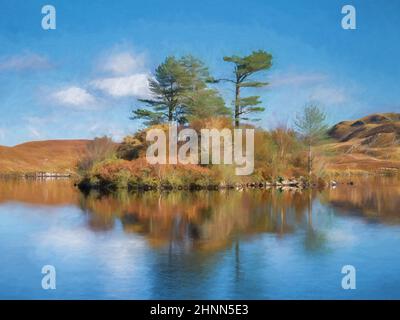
(180, 93)
(311, 127)
(197, 73)
(248, 65)
(168, 89)
(202, 102)
(150, 117)
(311, 124)
(244, 68)
(206, 103)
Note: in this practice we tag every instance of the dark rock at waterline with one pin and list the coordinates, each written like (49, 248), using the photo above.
(283, 184)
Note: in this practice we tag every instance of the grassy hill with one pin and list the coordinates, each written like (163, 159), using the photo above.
(368, 144)
(50, 156)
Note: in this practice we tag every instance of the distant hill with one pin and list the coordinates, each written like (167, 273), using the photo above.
(49, 156)
(366, 144)
(378, 130)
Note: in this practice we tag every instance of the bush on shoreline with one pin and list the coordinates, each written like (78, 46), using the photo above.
(138, 173)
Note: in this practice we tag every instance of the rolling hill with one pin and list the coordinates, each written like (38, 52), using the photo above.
(377, 130)
(371, 143)
(59, 156)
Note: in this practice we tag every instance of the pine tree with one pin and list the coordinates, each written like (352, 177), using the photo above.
(168, 89)
(202, 101)
(180, 93)
(245, 68)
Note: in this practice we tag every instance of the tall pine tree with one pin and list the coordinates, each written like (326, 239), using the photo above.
(244, 69)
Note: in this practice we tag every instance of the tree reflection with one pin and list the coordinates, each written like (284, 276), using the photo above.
(197, 220)
(212, 221)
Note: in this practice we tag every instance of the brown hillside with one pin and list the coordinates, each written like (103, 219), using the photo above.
(49, 156)
(376, 129)
(368, 144)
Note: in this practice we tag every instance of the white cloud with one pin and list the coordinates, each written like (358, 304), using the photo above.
(123, 63)
(296, 79)
(135, 85)
(74, 97)
(329, 95)
(125, 77)
(29, 61)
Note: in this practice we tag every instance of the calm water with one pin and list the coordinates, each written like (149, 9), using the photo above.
(265, 244)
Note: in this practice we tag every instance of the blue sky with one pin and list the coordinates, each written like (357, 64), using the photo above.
(82, 79)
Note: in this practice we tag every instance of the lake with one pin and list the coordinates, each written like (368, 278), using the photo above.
(254, 244)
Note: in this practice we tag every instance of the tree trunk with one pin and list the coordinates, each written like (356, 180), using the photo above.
(170, 115)
(309, 161)
(237, 106)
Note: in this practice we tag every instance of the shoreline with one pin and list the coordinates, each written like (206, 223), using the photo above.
(38, 175)
(86, 186)
(299, 183)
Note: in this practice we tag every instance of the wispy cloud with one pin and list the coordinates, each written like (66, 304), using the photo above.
(135, 85)
(329, 94)
(296, 79)
(74, 97)
(123, 63)
(293, 90)
(311, 86)
(21, 62)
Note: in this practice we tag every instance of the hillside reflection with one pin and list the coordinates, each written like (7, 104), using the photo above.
(210, 221)
(38, 192)
(372, 198)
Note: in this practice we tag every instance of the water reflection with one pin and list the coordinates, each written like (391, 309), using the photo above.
(373, 198)
(198, 220)
(38, 192)
(210, 221)
(251, 244)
